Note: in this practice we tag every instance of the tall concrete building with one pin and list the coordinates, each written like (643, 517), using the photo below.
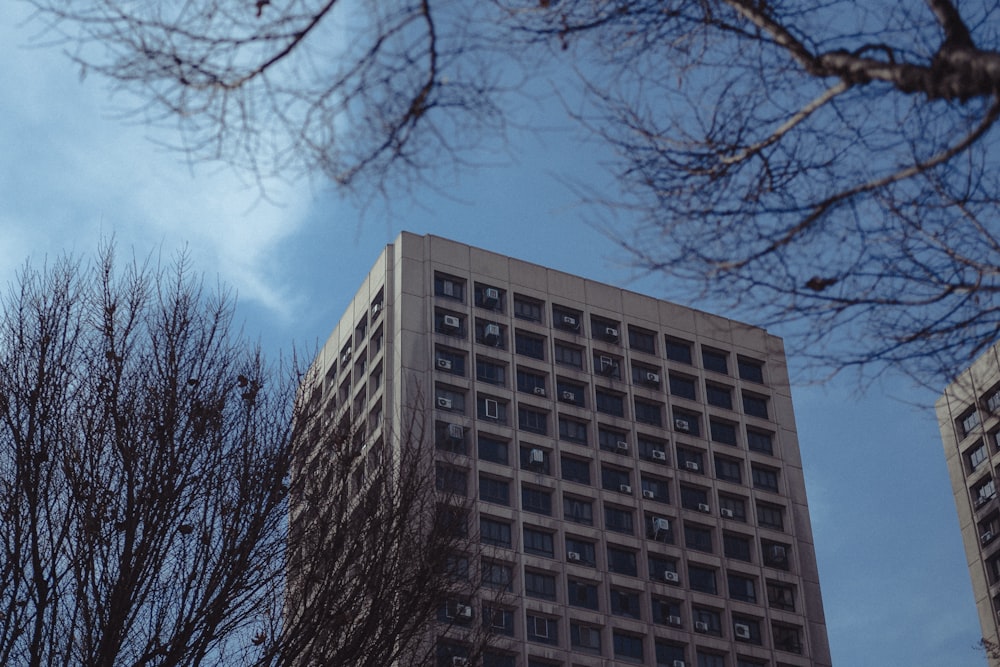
(969, 418)
(633, 464)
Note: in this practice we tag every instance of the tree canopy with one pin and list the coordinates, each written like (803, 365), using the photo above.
(823, 164)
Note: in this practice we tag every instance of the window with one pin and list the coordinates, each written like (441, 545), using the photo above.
(759, 441)
(582, 594)
(584, 550)
(754, 405)
(678, 350)
(584, 637)
(750, 370)
(529, 345)
(736, 546)
(625, 603)
(731, 507)
(612, 440)
(530, 419)
(618, 520)
(605, 329)
(491, 333)
(706, 659)
(454, 520)
(449, 323)
(787, 637)
(666, 612)
(492, 449)
(607, 365)
(537, 501)
(702, 579)
(568, 355)
(715, 360)
(642, 340)
(611, 403)
(698, 537)
(493, 490)
(652, 449)
(764, 478)
(614, 479)
(993, 401)
(663, 569)
(572, 430)
(627, 647)
(776, 554)
(542, 629)
(449, 479)
(451, 399)
(490, 371)
(622, 561)
(494, 533)
(645, 375)
(694, 498)
(770, 516)
(487, 296)
(497, 575)
(719, 395)
(449, 286)
(659, 528)
(535, 459)
(457, 567)
(683, 386)
(976, 455)
(648, 412)
(690, 460)
(531, 382)
(539, 585)
(575, 470)
(526, 308)
(741, 587)
(567, 319)
(450, 437)
(449, 361)
(570, 392)
(655, 489)
(707, 621)
(749, 662)
(446, 652)
(781, 595)
(538, 542)
(491, 408)
(728, 469)
(983, 492)
(668, 655)
(687, 422)
(722, 431)
(578, 511)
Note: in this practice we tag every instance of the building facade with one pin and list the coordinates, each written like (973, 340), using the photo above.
(969, 418)
(633, 464)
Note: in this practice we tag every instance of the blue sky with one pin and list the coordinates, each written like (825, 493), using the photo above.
(895, 583)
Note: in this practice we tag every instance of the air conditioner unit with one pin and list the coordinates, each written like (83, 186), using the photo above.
(570, 321)
(682, 425)
(703, 507)
(700, 626)
(611, 333)
(672, 577)
(444, 402)
(625, 488)
(568, 396)
(463, 611)
(491, 294)
(460, 662)
(573, 555)
(444, 364)
(986, 537)
(726, 512)
(621, 446)
(652, 378)
(536, 457)
(451, 322)
(659, 455)
(692, 465)
(538, 391)
(741, 630)
(674, 620)
(649, 495)
(456, 432)
(777, 553)
(346, 356)
(678, 663)
(491, 332)
(661, 524)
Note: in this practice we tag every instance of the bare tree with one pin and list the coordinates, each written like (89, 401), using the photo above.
(145, 460)
(825, 164)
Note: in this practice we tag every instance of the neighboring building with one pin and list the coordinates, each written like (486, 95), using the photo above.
(635, 463)
(969, 418)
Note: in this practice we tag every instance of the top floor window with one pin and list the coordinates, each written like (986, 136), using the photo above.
(750, 370)
(449, 286)
(567, 319)
(678, 350)
(490, 297)
(969, 421)
(604, 329)
(715, 360)
(526, 308)
(642, 340)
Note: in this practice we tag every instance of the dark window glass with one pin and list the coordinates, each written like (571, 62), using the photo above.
(690, 460)
(770, 516)
(576, 470)
(647, 412)
(529, 419)
(719, 396)
(652, 449)
(567, 319)
(622, 561)
(669, 654)
(755, 406)
(698, 537)
(759, 441)
(729, 470)
(490, 371)
(449, 479)
(572, 430)
(741, 588)
(538, 542)
(605, 329)
(578, 511)
(648, 376)
(487, 296)
(568, 355)
(450, 437)
(449, 361)
(497, 575)
(732, 508)
(493, 490)
(682, 385)
(715, 360)
(724, 432)
(776, 554)
(702, 579)
(612, 440)
(582, 594)
(449, 286)
(619, 520)
(526, 308)
(736, 546)
(614, 479)
(535, 459)
(491, 449)
(585, 551)
(495, 533)
(687, 422)
(781, 595)
(536, 501)
(678, 350)
(663, 569)
(612, 404)
(570, 392)
(539, 585)
(708, 621)
(642, 340)
(490, 408)
(655, 489)
(531, 382)
(585, 638)
(666, 612)
(628, 647)
(491, 333)
(541, 629)
(764, 478)
(529, 345)
(750, 370)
